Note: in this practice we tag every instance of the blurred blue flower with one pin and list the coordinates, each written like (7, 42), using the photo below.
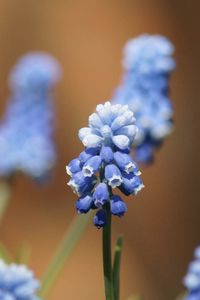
(17, 282)
(26, 131)
(147, 64)
(105, 163)
(192, 278)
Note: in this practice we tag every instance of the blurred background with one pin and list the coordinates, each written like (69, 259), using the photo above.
(161, 227)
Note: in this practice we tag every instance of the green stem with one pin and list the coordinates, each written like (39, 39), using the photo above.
(5, 193)
(63, 252)
(107, 257)
(116, 267)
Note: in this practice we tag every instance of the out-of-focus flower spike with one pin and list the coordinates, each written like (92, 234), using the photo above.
(26, 131)
(17, 282)
(147, 63)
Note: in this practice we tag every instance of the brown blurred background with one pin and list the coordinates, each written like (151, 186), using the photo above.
(162, 225)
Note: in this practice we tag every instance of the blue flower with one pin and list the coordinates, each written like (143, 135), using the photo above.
(131, 184)
(81, 184)
(100, 219)
(105, 162)
(17, 282)
(106, 154)
(83, 205)
(148, 63)
(26, 131)
(118, 206)
(126, 163)
(149, 54)
(87, 154)
(113, 175)
(105, 127)
(101, 194)
(91, 166)
(192, 278)
(74, 166)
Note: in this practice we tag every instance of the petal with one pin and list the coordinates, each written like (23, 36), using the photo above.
(118, 206)
(123, 120)
(130, 131)
(121, 141)
(104, 112)
(84, 132)
(100, 219)
(95, 121)
(92, 140)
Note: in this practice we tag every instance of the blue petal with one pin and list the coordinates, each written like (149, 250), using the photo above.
(101, 194)
(126, 163)
(100, 219)
(83, 205)
(80, 184)
(113, 175)
(118, 206)
(88, 153)
(106, 154)
(131, 184)
(73, 167)
(92, 166)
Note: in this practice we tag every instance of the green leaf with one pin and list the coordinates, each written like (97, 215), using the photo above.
(5, 254)
(5, 192)
(23, 254)
(116, 267)
(63, 252)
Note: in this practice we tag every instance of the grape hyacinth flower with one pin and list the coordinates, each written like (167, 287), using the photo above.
(147, 65)
(192, 279)
(17, 282)
(106, 163)
(26, 131)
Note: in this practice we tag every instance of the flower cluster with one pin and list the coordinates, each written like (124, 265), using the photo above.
(26, 142)
(192, 279)
(17, 282)
(148, 63)
(105, 163)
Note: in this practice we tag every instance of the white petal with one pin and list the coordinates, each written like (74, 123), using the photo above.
(130, 131)
(95, 121)
(83, 132)
(123, 120)
(104, 112)
(121, 141)
(92, 140)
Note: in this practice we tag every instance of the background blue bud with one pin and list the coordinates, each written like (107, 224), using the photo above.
(26, 130)
(17, 282)
(147, 63)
